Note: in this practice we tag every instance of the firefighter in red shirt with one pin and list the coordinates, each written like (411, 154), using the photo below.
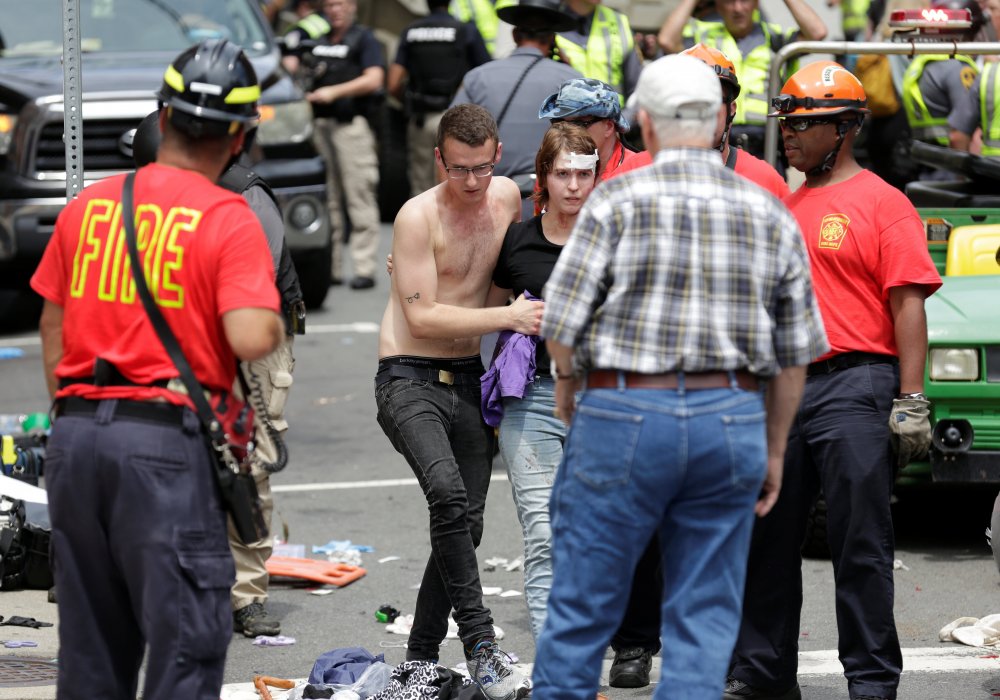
(142, 561)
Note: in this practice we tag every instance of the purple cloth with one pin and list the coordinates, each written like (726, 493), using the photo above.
(512, 369)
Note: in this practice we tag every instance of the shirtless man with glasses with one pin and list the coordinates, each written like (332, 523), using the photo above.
(445, 245)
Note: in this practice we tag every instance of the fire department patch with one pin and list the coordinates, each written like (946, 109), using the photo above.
(968, 77)
(833, 230)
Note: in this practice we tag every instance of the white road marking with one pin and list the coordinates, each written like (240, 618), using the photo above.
(358, 327)
(346, 485)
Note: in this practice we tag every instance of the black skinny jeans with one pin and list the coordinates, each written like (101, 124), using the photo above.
(440, 431)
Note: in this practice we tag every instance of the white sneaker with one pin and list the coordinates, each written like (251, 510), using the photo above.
(494, 672)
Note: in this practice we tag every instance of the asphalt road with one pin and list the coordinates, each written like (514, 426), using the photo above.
(344, 482)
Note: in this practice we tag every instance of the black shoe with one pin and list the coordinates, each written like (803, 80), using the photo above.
(253, 620)
(738, 690)
(630, 669)
(336, 282)
(869, 697)
(362, 283)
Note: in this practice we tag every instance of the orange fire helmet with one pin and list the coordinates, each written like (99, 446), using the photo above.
(717, 61)
(820, 89)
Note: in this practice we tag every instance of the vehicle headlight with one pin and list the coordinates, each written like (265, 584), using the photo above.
(290, 122)
(954, 364)
(7, 124)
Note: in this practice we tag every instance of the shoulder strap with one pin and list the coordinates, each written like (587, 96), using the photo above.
(160, 325)
(517, 85)
(731, 159)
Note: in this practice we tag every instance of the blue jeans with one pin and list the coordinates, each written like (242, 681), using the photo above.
(440, 431)
(687, 465)
(531, 442)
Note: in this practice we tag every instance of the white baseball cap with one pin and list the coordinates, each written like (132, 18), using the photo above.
(678, 87)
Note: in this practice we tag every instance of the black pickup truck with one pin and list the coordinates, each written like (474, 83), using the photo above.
(126, 46)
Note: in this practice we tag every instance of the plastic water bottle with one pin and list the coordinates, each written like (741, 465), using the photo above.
(10, 423)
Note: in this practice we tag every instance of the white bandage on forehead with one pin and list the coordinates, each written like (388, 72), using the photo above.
(578, 161)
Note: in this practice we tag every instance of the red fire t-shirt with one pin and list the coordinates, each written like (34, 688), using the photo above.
(205, 254)
(752, 168)
(864, 237)
(760, 173)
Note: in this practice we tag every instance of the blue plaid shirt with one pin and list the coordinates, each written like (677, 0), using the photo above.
(684, 266)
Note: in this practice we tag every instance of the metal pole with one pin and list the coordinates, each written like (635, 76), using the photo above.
(840, 48)
(72, 98)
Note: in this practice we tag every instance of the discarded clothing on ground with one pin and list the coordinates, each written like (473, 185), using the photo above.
(342, 666)
(423, 680)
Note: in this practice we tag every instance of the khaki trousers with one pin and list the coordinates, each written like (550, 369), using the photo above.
(273, 374)
(351, 177)
(420, 143)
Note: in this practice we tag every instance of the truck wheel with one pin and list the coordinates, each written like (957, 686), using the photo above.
(815, 546)
(314, 275)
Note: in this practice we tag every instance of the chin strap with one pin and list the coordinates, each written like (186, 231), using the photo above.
(831, 157)
(721, 146)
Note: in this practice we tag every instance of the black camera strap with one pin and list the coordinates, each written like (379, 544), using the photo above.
(166, 336)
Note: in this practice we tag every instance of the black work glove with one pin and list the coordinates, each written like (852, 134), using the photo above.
(910, 429)
(18, 621)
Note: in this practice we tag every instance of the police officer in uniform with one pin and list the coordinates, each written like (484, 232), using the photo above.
(750, 44)
(348, 73)
(270, 376)
(434, 54)
(512, 88)
(935, 88)
(982, 110)
(601, 46)
(142, 562)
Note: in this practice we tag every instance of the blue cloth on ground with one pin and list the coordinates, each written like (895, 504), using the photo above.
(342, 666)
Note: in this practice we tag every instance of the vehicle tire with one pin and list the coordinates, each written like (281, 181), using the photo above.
(313, 269)
(814, 545)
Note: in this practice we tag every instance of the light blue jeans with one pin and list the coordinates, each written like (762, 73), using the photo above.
(686, 464)
(531, 442)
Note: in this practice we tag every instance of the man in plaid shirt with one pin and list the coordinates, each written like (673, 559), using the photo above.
(682, 291)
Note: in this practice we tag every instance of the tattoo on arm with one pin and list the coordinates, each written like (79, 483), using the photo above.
(416, 295)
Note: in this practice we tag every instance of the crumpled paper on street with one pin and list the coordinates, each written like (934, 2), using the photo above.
(973, 631)
(404, 623)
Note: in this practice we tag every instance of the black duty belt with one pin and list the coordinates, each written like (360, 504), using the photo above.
(106, 374)
(149, 411)
(849, 359)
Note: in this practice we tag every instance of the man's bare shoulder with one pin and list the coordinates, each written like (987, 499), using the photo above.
(416, 213)
(505, 190)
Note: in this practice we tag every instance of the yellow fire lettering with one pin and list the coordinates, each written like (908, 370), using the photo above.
(95, 223)
(170, 254)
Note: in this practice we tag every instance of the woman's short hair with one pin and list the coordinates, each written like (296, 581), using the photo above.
(561, 136)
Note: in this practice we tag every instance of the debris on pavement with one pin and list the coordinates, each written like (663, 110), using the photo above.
(493, 563)
(898, 564)
(383, 560)
(972, 631)
(263, 640)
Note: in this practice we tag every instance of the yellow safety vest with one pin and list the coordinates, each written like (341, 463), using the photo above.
(752, 70)
(924, 126)
(315, 25)
(989, 108)
(603, 58)
(854, 15)
(482, 13)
